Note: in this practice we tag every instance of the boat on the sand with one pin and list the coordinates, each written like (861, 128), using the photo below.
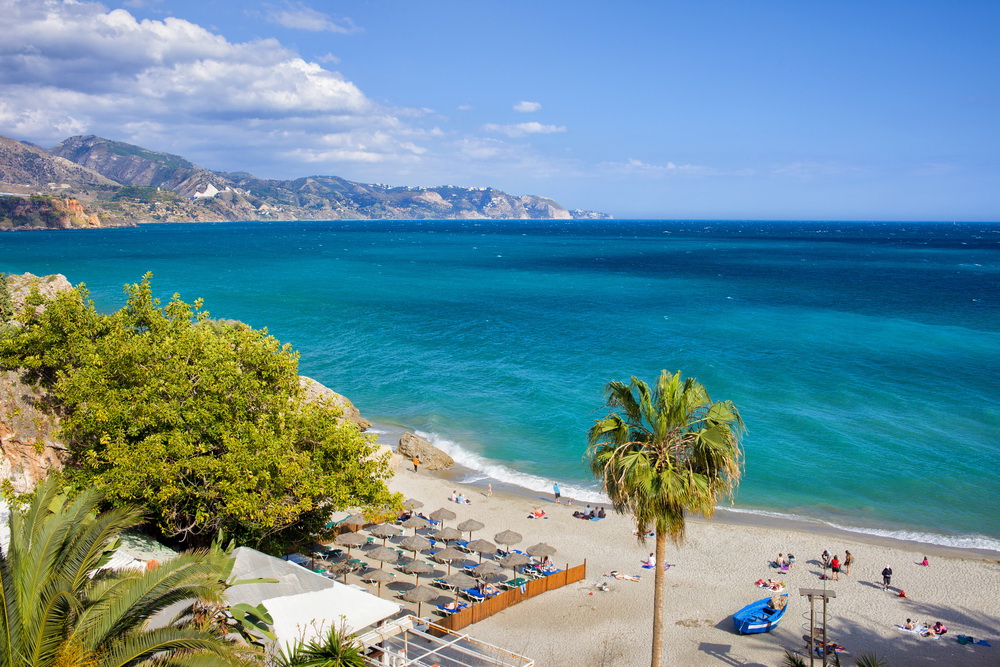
(760, 616)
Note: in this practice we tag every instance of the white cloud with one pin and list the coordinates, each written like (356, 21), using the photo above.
(300, 17)
(527, 107)
(634, 167)
(75, 67)
(523, 129)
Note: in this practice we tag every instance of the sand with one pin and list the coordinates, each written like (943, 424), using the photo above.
(711, 576)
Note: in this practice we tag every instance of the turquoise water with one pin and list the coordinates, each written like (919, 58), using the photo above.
(865, 357)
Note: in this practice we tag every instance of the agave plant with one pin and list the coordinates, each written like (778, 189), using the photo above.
(871, 660)
(336, 647)
(58, 608)
(792, 660)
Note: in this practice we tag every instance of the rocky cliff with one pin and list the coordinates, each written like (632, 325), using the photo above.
(127, 182)
(43, 212)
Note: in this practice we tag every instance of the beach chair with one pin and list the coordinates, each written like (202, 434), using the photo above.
(516, 582)
(473, 594)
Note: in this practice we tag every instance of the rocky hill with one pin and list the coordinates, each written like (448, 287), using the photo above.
(120, 182)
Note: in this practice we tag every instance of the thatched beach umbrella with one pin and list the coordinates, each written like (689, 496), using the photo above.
(384, 531)
(379, 576)
(416, 522)
(448, 555)
(486, 570)
(471, 525)
(459, 580)
(443, 515)
(508, 537)
(350, 540)
(342, 567)
(356, 520)
(417, 568)
(513, 561)
(412, 504)
(482, 547)
(420, 594)
(415, 543)
(541, 550)
(383, 554)
(448, 534)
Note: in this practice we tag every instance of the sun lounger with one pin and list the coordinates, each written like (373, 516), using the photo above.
(473, 594)
(448, 612)
(516, 582)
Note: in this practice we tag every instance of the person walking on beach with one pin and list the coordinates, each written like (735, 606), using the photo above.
(848, 561)
(555, 490)
(886, 578)
(416, 462)
(489, 490)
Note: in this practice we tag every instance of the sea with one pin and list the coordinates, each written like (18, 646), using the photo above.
(864, 357)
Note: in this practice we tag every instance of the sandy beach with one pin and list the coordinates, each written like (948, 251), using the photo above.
(712, 576)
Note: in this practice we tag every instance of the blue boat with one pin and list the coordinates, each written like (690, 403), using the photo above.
(759, 616)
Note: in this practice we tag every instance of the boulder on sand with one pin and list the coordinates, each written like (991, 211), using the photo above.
(431, 457)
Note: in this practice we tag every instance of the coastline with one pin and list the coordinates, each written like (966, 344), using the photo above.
(460, 474)
(712, 575)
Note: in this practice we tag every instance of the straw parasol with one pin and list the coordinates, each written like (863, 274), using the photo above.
(443, 515)
(380, 576)
(486, 570)
(481, 547)
(384, 531)
(508, 537)
(459, 580)
(415, 543)
(416, 522)
(383, 554)
(350, 540)
(448, 534)
(513, 560)
(412, 504)
(471, 525)
(356, 520)
(417, 568)
(420, 594)
(343, 567)
(541, 550)
(449, 555)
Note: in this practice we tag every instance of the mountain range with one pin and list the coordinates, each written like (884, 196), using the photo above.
(115, 183)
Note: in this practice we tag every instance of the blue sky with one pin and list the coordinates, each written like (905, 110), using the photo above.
(705, 109)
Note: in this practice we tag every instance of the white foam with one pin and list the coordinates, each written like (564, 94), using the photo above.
(486, 469)
(981, 542)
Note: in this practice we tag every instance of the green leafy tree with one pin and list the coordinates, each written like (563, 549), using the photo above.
(57, 609)
(6, 303)
(201, 422)
(663, 452)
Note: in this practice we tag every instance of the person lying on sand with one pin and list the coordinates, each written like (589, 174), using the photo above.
(618, 575)
(537, 514)
(770, 583)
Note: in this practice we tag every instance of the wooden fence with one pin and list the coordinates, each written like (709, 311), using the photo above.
(494, 605)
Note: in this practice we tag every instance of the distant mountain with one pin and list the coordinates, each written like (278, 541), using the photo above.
(124, 182)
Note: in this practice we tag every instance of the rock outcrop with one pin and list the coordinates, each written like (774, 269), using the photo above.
(19, 286)
(29, 449)
(431, 457)
(314, 391)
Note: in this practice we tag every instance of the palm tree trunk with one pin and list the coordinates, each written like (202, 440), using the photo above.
(659, 596)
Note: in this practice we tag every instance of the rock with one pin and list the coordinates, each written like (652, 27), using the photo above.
(28, 446)
(395, 461)
(431, 457)
(19, 287)
(314, 391)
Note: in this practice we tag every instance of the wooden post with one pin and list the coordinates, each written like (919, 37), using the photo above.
(812, 594)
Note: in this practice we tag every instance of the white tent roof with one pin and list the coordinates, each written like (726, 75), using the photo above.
(307, 615)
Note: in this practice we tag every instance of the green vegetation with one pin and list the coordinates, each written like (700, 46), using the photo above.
(146, 195)
(201, 422)
(335, 648)
(56, 612)
(661, 453)
(6, 303)
(128, 150)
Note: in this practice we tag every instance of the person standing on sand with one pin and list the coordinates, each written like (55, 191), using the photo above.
(489, 490)
(848, 561)
(555, 490)
(835, 566)
(416, 462)
(886, 577)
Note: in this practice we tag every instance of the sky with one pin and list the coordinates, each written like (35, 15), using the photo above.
(704, 109)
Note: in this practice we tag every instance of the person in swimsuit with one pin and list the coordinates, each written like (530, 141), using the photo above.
(848, 561)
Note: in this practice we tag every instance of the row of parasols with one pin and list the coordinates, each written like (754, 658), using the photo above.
(416, 543)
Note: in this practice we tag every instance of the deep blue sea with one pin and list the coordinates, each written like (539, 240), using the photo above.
(864, 357)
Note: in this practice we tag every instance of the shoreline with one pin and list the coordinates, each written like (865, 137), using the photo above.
(711, 576)
(727, 515)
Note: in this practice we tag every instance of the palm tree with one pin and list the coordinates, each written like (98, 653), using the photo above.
(661, 453)
(57, 608)
(336, 646)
